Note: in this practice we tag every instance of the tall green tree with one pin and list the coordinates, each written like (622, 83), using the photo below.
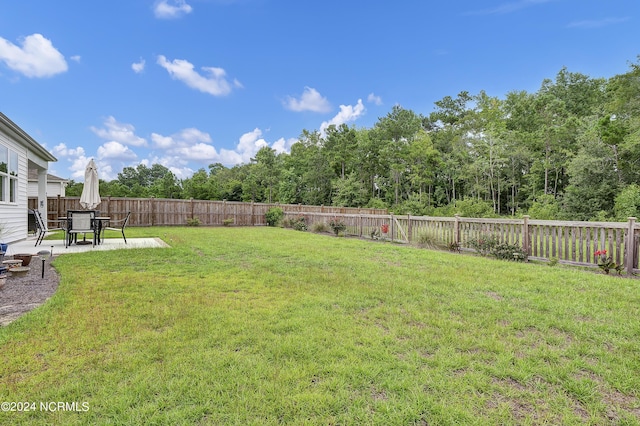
(394, 133)
(339, 145)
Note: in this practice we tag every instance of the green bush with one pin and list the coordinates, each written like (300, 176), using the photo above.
(337, 225)
(299, 223)
(454, 247)
(193, 221)
(376, 203)
(545, 207)
(273, 216)
(484, 245)
(428, 239)
(320, 227)
(490, 245)
(627, 203)
(506, 251)
(472, 207)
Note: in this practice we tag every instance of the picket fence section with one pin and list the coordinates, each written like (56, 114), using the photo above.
(568, 242)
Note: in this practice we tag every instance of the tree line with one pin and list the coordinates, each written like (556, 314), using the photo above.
(571, 150)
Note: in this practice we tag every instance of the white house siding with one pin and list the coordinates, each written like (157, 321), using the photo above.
(53, 189)
(12, 215)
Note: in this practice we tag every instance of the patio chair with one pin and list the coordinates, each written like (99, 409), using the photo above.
(80, 222)
(41, 227)
(120, 225)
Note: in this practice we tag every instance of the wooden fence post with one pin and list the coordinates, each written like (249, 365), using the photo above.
(525, 234)
(151, 209)
(392, 227)
(409, 228)
(456, 230)
(629, 249)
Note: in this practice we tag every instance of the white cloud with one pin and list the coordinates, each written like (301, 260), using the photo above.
(36, 58)
(61, 150)
(374, 99)
(116, 151)
(193, 135)
(138, 67)
(194, 145)
(311, 100)
(183, 139)
(75, 156)
(186, 145)
(283, 145)
(347, 113)
(76, 58)
(119, 132)
(199, 152)
(162, 142)
(176, 165)
(214, 81)
(171, 9)
(597, 23)
(249, 144)
(105, 171)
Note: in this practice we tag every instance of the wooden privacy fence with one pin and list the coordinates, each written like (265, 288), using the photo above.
(569, 242)
(169, 212)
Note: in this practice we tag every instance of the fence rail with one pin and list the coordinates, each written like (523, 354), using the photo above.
(570, 242)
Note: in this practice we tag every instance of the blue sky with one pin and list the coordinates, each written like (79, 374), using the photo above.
(187, 83)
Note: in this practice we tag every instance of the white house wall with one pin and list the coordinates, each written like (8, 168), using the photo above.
(12, 215)
(53, 189)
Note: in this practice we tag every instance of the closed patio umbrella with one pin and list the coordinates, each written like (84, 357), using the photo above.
(90, 197)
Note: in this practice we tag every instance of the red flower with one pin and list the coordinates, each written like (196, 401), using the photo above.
(385, 228)
(600, 253)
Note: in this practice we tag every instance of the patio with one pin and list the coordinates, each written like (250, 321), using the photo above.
(28, 245)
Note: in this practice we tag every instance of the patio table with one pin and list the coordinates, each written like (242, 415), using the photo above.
(100, 221)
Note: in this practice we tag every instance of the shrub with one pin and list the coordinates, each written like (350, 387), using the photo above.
(429, 239)
(454, 247)
(376, 203)
(490, 245)
(287, 223)
(227, 222)
(193, 221)
(506, 251)
(337, 225)
(273, 216)
(472, 207)
(484, 245)
(627, 202)
(299, 223)
(320, 227)
(545, 207)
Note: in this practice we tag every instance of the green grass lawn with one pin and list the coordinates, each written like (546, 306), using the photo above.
(259, 326)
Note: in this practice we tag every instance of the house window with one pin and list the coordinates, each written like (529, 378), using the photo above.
(8, 175)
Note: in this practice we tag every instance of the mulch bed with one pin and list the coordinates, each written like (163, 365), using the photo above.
(22, 294)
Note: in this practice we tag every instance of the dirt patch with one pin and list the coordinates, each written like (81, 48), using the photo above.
(23, 294)
(494, 295)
